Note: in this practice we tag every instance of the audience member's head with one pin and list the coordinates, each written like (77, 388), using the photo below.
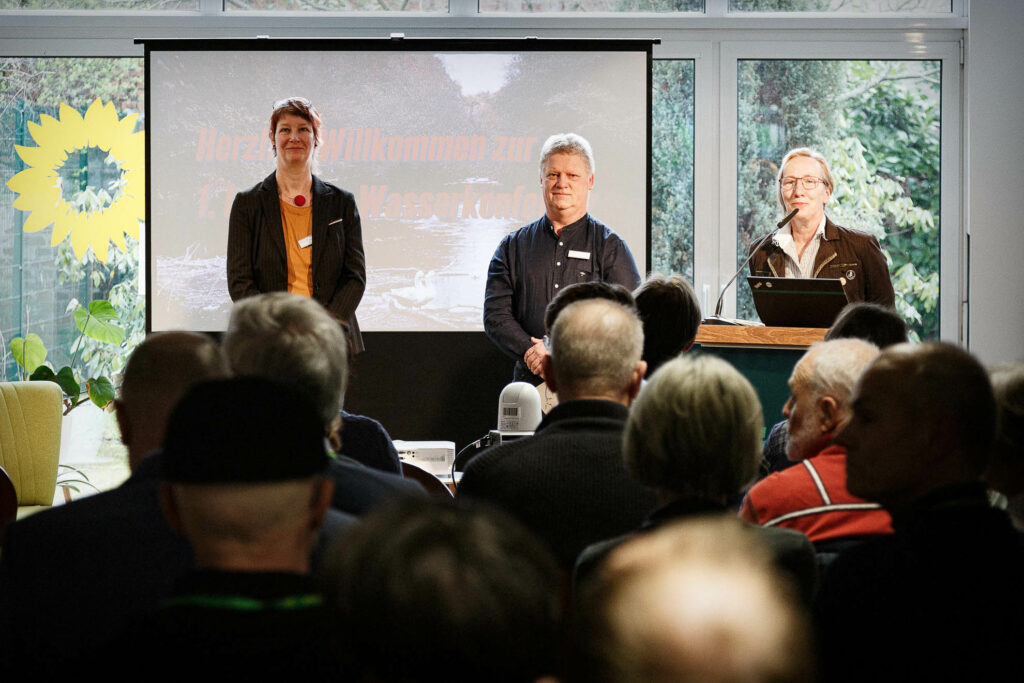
(428, 591)
(243, 460)
(595, 352)
(293, 340)
(1006, 470)
(695, 431)
(820, 389)
(156, 376)
(586, 290)
(671, 315)
(694, 601)
(923, 417)
(880, 325)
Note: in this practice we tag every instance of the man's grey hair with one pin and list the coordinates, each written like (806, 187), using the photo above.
(293, 340)
(595, 346)
(695, 430)
(832, 368)
(567, 143)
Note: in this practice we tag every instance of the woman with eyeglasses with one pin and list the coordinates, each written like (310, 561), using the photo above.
(294, 232)
(813, 246)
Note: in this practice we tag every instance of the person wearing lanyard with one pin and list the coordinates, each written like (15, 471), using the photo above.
(245, 485)
(292, 231)
(567, 245)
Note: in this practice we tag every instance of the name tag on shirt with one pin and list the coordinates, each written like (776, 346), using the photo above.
(305, 241)
(585, 255)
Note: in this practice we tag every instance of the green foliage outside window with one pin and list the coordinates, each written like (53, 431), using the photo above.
(339, 5)
(110, 5)
(591, 5)
(672, 167)
(845, 6)
(877, 122)
(47, 284)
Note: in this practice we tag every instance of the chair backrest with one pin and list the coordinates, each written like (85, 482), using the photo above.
(434, 486)
(30, 421)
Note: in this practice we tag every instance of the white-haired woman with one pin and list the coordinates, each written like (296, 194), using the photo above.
(813, 246)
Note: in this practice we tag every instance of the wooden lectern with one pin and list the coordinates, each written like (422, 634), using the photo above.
(759, 336)
(765, 356)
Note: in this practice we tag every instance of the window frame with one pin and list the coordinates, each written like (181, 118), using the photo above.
(945, 51)
(715, 40)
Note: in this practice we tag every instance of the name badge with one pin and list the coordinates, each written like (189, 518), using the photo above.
(305, 242)
(585, 255)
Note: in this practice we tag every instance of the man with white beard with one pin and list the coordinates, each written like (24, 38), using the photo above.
(813, 499)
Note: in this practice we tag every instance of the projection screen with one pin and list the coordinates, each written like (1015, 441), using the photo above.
(439, 141)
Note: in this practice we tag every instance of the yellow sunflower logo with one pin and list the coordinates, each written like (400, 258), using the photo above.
(39, 186)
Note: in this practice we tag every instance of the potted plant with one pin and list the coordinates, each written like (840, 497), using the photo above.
(98, 321)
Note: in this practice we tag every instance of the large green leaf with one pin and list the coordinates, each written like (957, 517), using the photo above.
(64, 378)
(29, 352)
(101, 391)
(97, 322)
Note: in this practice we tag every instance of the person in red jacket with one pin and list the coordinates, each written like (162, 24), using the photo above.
(813, 498)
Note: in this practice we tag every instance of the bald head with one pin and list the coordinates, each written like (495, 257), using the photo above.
(158, 373)
(923, 416)
(265, 526)
(696, 601)
(595, 352)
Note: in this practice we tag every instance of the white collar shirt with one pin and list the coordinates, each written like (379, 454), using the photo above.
(803, 266)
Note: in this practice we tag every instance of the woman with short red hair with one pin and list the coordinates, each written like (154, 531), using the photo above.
(293, 231)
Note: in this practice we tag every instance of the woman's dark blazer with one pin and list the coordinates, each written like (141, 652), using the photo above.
(257, 260)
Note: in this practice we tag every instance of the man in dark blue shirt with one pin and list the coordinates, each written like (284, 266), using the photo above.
(567, 245)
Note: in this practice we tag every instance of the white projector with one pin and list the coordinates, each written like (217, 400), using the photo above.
(435, 457)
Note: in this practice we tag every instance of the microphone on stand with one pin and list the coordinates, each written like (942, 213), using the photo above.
(717, 318)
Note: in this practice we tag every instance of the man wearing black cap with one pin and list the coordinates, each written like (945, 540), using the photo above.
(243, 462)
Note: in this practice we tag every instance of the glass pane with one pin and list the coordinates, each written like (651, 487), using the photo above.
(672, 168)
(877, 122)
(118, 5)
(340, 5)
(591, 5)
(42, 105)
(844, 6)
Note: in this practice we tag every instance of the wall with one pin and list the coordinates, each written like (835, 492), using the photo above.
(995, 169)
(429, 385)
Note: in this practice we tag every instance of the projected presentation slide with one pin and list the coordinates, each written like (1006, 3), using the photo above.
(440, 149)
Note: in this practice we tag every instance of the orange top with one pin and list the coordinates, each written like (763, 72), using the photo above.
(298, 225)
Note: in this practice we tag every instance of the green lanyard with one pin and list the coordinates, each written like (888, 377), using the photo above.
(243, 604)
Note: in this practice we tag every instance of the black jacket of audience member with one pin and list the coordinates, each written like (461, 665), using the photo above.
(791, 552)
(71, 575)
(567, 483)
(230, 626)
(940, 599)
(358, 488)
(364, 439)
